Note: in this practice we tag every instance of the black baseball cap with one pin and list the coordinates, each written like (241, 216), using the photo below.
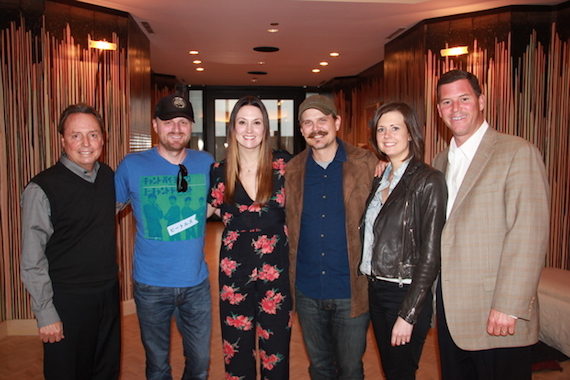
(172, 106)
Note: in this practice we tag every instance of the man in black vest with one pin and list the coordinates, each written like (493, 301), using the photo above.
(68, 261)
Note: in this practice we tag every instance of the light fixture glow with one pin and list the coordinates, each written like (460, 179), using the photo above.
(273, 30)
(261, 63)
(334, 54)
(454, 51)
(102, 45)
(196, 61)
(199, 69)
(316, 70)
(193, 52)
(323, 63)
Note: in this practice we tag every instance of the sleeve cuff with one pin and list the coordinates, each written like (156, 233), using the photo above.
(47, 317)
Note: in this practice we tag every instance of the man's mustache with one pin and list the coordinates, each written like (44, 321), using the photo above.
(318, 133)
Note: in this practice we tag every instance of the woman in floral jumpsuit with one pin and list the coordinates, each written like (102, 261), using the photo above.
(255, 298)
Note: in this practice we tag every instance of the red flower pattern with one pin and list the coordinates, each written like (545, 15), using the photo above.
(228, 266)
(230, 239)
(240, 322)
(271, 302)
(269, 362)
(230, 350)
(279, 165)
(263, 245)
(269, 273)
(231, 293)
(280, 197)
(252, 276)
(254, 207)
(263, 334)
(218, 194)
(227, 218)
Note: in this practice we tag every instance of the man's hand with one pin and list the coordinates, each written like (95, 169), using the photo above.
(51, 333)
(380, 168)
(401, 332)
(500, 324)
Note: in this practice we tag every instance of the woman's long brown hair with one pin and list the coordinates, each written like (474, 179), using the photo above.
(265, 159)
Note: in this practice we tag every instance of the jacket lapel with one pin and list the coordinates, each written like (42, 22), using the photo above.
(400, 189)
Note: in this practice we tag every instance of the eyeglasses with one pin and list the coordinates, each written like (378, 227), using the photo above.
(181, 183)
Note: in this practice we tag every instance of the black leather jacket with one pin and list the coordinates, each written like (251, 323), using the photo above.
(407, 233)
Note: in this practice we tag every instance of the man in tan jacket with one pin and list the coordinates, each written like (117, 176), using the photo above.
(326, 187)
(493, 243)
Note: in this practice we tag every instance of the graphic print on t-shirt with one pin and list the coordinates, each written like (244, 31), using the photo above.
(170, 215)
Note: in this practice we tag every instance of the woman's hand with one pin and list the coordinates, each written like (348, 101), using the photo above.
(401, 332)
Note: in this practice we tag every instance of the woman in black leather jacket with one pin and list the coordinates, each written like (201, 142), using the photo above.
(401, 232)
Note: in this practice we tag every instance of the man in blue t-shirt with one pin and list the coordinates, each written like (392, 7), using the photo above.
(169, 271)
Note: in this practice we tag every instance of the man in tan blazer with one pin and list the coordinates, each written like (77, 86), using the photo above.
(493, 243)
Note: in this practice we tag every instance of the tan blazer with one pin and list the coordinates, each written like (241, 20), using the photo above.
(494, 242)
(357, 176)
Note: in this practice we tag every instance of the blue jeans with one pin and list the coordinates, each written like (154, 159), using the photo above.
(192, 311)
(335, 342)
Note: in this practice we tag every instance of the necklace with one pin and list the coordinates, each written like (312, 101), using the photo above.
(249, 169)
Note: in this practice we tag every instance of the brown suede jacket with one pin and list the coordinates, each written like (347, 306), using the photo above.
(358, 173)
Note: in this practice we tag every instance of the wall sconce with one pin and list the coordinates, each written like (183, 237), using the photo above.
(102, 45)
(454, 51)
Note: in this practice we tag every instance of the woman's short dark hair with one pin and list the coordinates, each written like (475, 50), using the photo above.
(79, 108)
(455, 75)
(412, 123)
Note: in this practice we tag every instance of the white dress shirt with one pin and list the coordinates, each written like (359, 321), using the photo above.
(458, 161)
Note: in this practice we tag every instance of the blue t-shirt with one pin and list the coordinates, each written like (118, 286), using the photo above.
(169, 243)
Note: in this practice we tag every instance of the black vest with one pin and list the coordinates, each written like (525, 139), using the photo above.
(82, 250)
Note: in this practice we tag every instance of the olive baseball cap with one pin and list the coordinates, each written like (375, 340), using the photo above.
(320, 102)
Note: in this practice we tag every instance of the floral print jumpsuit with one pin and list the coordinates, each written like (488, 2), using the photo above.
(255, 297)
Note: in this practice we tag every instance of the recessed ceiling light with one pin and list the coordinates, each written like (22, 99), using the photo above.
(199, 69)
(254, 80)
(273, 30)
(266, 49)
(334, 54)
(261, 63)
(196, 61)
(193, 52)
(316, 70)
(324, 63)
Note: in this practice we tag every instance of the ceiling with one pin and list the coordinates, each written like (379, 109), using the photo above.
(224, 32)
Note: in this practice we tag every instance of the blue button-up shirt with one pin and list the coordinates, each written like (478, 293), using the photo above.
(322, 259)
